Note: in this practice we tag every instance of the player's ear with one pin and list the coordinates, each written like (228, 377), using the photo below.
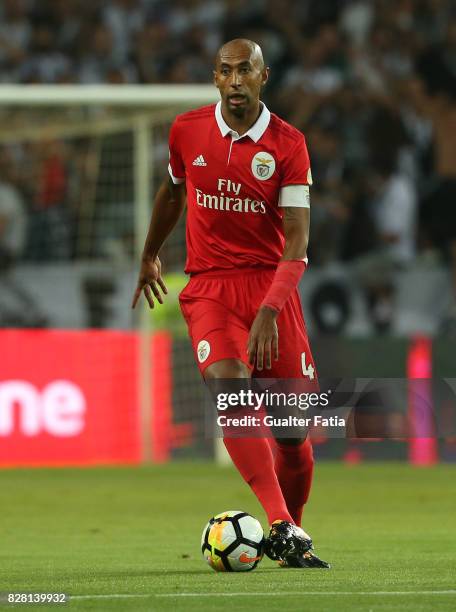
(265, 75)
(214, 74)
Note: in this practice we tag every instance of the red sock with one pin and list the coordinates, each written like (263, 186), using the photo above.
(294, 469)
(253, 458)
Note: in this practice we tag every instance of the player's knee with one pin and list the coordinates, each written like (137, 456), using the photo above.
(290, 441)
(227, 368)
(297, 450)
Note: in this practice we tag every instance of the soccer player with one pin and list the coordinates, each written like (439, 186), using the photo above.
(245, 174)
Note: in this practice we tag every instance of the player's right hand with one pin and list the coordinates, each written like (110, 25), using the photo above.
(150, 281)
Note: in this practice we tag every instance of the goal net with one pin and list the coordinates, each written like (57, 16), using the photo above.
(78, 170)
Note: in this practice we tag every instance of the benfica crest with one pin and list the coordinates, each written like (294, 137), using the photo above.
(263, 166)
(203, 350)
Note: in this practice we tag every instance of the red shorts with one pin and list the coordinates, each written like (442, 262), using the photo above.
(220, 308)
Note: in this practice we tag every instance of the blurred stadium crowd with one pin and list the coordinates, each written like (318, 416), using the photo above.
(371, 83)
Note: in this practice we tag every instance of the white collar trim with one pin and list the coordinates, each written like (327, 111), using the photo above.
(255, 132)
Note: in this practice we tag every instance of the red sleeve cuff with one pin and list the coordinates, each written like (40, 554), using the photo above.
(285, 281)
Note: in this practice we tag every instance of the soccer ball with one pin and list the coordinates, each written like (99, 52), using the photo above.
(233, 541)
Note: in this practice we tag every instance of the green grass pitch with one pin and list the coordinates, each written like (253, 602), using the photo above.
(388, 529)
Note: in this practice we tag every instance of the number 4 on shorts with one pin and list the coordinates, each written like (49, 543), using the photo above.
(307, 370)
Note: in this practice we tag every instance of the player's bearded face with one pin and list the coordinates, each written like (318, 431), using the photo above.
(239, 81)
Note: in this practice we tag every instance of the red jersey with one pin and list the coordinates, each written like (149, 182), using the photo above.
(236, 186)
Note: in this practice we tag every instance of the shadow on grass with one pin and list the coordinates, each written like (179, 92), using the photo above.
(125, 574)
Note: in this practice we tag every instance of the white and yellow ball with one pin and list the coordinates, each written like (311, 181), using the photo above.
(233, 541)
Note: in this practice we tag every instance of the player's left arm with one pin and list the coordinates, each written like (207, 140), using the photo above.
(263, 342)
(296, 224)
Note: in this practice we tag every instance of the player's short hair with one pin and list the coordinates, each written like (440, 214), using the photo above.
(255, 49)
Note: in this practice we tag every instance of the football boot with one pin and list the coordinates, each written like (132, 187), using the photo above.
(286, 541)
(308, 559)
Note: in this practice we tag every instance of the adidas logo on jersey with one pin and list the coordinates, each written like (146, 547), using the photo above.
(199, 161)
